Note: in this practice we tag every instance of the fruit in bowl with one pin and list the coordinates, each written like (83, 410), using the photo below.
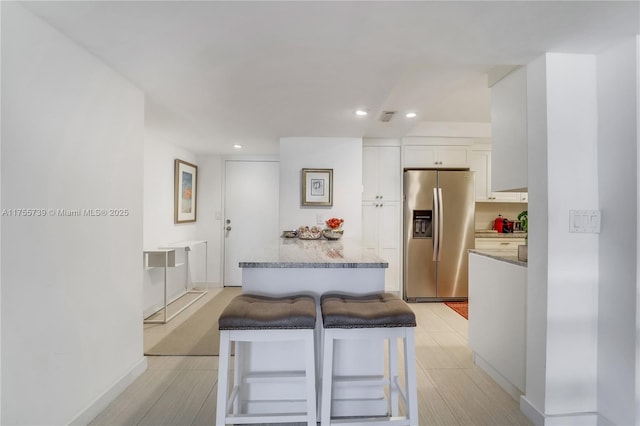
(334, 223)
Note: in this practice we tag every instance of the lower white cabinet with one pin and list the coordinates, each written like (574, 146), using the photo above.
(381, 234)
(497, 320)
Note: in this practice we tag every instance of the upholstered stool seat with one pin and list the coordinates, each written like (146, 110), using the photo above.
(368, 311)
(254, 312)
(253, 318)
(381, 316)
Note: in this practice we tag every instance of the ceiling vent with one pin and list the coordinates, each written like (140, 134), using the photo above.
(386, 116)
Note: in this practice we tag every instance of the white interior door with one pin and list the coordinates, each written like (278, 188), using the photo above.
(251, 217)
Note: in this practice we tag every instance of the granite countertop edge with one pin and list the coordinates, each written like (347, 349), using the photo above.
(315, 254)
(508, 259)
(322, 265)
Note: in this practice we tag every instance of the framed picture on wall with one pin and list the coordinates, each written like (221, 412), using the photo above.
(317, 187)
(186, 192)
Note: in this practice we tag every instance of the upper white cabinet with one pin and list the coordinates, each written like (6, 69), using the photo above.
(381, 173)
(509, 132)
(436, 156)
(480, 162)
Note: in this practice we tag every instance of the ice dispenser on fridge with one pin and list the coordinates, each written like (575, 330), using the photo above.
(422, 224)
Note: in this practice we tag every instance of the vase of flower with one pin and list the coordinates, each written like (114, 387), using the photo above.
(523, 250)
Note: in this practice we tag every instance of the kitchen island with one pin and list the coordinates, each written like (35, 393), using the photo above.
(315, 267)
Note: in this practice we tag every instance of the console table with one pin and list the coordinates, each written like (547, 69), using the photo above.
(165, 257)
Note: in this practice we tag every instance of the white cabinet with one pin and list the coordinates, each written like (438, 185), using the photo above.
(381, 173)
(382, 209)
(509, 131)
(480, 162)
(381, 235)
(497, 320)
(436, 156)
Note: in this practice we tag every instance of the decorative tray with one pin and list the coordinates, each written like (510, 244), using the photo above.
(309, 233)
(310, 237)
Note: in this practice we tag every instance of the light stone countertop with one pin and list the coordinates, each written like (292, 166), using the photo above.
(497, 255)
(496, 235)
(297, 253)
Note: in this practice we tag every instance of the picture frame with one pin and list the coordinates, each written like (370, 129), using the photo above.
(317, 187)
(185, 192)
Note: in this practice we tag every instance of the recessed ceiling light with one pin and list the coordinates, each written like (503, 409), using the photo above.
(361, 113)
(237, 146)
(411, 115)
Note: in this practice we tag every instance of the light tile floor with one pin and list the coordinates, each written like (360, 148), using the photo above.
(452, 390)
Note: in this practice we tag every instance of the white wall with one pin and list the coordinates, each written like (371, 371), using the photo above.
(617, 160)
(637, 322)
(159, 227)
(159, 155)
(72, 138)
(344, 156)
(210, 213)
(562, 123)
(538, 237)
(572, 309)
(451, 129)
(0, 228)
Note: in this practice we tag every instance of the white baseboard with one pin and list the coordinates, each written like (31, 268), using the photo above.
(532, 413)
(603, 421)
(505, 384)
(569, 419)
(102, 401)
(577, 419)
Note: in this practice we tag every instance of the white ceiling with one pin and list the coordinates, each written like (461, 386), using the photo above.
(217, 73)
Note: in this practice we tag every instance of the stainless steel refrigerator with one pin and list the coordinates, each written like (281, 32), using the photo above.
(439, 227)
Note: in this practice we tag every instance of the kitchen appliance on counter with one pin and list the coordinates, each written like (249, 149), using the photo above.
(439, 225)
(504, 226)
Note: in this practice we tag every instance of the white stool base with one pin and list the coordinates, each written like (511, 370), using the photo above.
(229, 403)
(408, 393)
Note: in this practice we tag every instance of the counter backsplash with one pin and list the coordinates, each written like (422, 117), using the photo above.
(486, 213)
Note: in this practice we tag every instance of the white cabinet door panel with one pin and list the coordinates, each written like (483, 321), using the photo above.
(370, 172)
(453, 156)
(381, 235)
(381, 173)
(481, 164)
(420, 156)
(390, 173)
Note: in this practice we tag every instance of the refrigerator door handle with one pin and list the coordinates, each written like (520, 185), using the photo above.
(440, 221)
(435, 225)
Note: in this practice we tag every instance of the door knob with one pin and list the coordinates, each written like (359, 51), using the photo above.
(228, 221)
(228, 228)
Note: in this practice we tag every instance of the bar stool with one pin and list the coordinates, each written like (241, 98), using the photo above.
(381, 316)
(253, 318)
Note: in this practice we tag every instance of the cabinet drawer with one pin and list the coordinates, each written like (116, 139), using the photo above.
(499, 244)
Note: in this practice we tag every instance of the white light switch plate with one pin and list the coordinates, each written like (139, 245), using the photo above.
(584, 221)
